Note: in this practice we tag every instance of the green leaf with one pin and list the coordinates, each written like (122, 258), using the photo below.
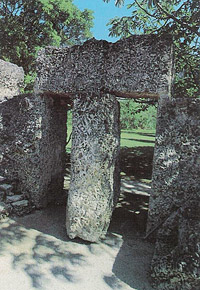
(28, 25)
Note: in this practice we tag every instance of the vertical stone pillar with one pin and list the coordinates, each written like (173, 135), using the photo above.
(32, 146)
(32, 139)
(175, 200)
(95, 181)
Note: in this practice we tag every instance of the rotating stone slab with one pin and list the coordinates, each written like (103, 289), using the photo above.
(95, 181)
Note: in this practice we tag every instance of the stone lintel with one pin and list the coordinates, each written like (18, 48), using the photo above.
(136, 65)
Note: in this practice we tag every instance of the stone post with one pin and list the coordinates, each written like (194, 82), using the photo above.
(174, 209)
(95, 181)
(32, 139)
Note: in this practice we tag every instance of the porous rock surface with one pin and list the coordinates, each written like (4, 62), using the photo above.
(32, 146)
(175, 200)
(138, 64)
(89, 74)
(11, 80)
(95, 182)
(32, 139)
(11, 203)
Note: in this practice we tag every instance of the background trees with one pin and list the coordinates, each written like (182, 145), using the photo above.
(177, 17)
(28, 25)
(135, 115)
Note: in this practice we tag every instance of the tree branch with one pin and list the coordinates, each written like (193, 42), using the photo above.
(195, 79)
(190, 28)
(179, 8)
(158, 29)
(147, 12)
(70, 136)
(147, 102)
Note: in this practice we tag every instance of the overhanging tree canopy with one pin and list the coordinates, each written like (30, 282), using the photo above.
(28, 25)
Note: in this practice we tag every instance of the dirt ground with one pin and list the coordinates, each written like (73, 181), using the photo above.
(35, 252)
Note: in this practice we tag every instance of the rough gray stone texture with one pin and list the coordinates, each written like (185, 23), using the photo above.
(2, 196)
(95, 182)
(175, 199)
(2, 179)
(6, 187)
(32, 146)
(11, 203)
(138, 64)
(14, 198)
(21, 207)
(11, 80)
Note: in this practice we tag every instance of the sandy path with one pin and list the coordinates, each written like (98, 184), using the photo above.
(35, 253)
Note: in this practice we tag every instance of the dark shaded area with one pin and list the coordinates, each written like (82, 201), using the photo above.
(139, 140)
(112, 281)
(146, 134)
(141, 133)
(67, 163)
(137, 162)
(129, 220)
(131, 213)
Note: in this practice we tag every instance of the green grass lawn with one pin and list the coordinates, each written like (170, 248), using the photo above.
(129, 138)
(137, 138)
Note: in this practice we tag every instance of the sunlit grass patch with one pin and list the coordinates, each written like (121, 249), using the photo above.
(137, 138)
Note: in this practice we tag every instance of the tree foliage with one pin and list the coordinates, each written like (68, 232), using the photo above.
(28, 25)
(177, 17)
(135, 115)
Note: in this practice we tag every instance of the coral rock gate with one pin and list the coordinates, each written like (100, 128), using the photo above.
(92, 76)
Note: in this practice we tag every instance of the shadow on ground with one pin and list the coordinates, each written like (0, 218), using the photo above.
(137, 162)
(39, 254)
(134, 257)
(35, 256)
(51, 254)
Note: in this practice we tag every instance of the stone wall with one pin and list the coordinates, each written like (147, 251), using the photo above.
(175, 200)
(132, 67)
(95, 180)
(32, 146)
(139, 64)
(32, 139)
(11, 80)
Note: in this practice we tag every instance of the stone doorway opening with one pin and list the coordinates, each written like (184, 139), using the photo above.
(136, 158)
(140, 66)
(137, 141)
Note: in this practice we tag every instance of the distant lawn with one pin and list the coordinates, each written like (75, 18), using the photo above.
(129, 138)
(137, 138)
